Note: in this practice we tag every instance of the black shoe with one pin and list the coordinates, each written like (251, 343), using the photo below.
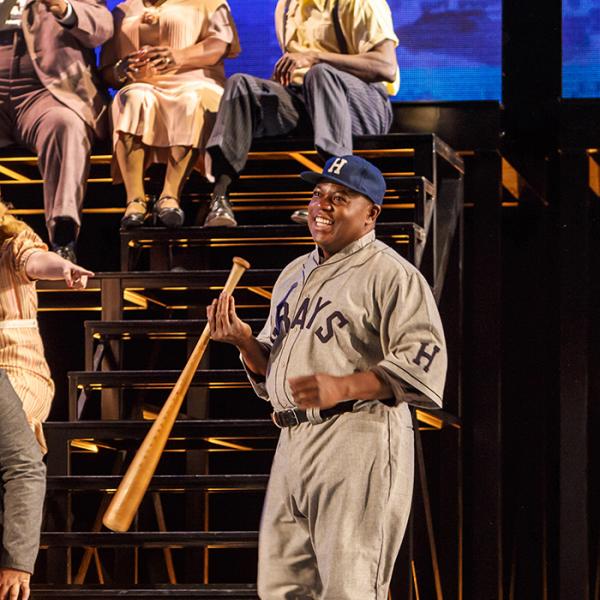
(300, 216)
(67, 251)
(220, 213)
(64, 231)
(135, 218)
(169, 216)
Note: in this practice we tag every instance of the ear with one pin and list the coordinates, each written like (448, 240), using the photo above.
(374, 212)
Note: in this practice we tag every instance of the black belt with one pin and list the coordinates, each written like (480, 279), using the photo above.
(294, 416)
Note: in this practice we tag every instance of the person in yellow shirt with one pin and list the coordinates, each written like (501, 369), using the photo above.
(336, 73)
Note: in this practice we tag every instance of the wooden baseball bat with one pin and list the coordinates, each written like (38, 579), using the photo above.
(133, 486)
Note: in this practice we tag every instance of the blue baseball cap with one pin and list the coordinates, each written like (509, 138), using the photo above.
(353, 172)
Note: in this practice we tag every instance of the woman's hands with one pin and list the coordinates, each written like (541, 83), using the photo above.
(147, 61)
(161, 58)
(150, 61)
(127, 67)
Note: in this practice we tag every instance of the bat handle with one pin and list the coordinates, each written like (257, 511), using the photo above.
(237, 270)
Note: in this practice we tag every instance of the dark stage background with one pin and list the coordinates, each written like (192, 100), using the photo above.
(514, 86)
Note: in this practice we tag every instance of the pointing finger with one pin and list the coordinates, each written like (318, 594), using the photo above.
(67, 277)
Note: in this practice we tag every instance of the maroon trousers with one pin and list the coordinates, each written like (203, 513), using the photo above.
(32, 117)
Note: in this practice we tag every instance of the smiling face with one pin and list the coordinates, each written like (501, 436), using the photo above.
(338, 216)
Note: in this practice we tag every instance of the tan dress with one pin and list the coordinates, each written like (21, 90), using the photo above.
(176, 108)
(21, 347)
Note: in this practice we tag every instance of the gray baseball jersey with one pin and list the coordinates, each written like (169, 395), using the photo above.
(366, 308)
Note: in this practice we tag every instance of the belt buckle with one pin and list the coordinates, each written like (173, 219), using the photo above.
(285, 418)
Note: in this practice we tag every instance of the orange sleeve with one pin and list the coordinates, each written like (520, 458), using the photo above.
(22, 247)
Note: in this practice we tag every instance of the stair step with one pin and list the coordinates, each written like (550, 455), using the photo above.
(216, 245)
(273, 156)
(249, 234)
(59, 434)
(408, 198)
(115, 292)
(144, 280)
(253, 436)
(403, 193)
(89, 381)
(425, 150)
(99, 334)
(173, 592)
(160, 482)
(150, 539)
(155, 379)
(173, 328)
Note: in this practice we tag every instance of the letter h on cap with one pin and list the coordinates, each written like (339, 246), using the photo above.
(337, 165)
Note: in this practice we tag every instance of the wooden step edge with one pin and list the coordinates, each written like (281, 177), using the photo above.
(158, 374)
(159, 482)
(231, 591)
(133, 324)
(156, 279)
(241, 231)
(151, 539)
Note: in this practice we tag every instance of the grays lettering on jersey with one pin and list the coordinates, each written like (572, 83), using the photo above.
(366, 308)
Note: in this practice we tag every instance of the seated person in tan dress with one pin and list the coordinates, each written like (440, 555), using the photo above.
(24, 258)
(168, 57)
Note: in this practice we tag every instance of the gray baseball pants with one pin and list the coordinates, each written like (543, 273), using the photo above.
(31, 116)
(334, 104)
(22, 483)
(337, 506)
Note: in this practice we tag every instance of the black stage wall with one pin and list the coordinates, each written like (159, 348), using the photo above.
(531, 321)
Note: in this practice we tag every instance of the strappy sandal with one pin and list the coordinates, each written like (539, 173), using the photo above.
(169, 216)
(134, 218)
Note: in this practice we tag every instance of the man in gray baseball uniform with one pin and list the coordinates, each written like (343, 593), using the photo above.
(353, 337)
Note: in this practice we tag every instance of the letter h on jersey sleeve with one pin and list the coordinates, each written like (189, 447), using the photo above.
(424, 355)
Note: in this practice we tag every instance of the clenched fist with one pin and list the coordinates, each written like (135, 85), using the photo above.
(318, 391)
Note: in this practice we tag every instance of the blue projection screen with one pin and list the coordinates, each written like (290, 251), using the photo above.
(449, 49)
(581, 48)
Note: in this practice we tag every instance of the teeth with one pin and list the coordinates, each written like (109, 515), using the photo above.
(323, 221)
